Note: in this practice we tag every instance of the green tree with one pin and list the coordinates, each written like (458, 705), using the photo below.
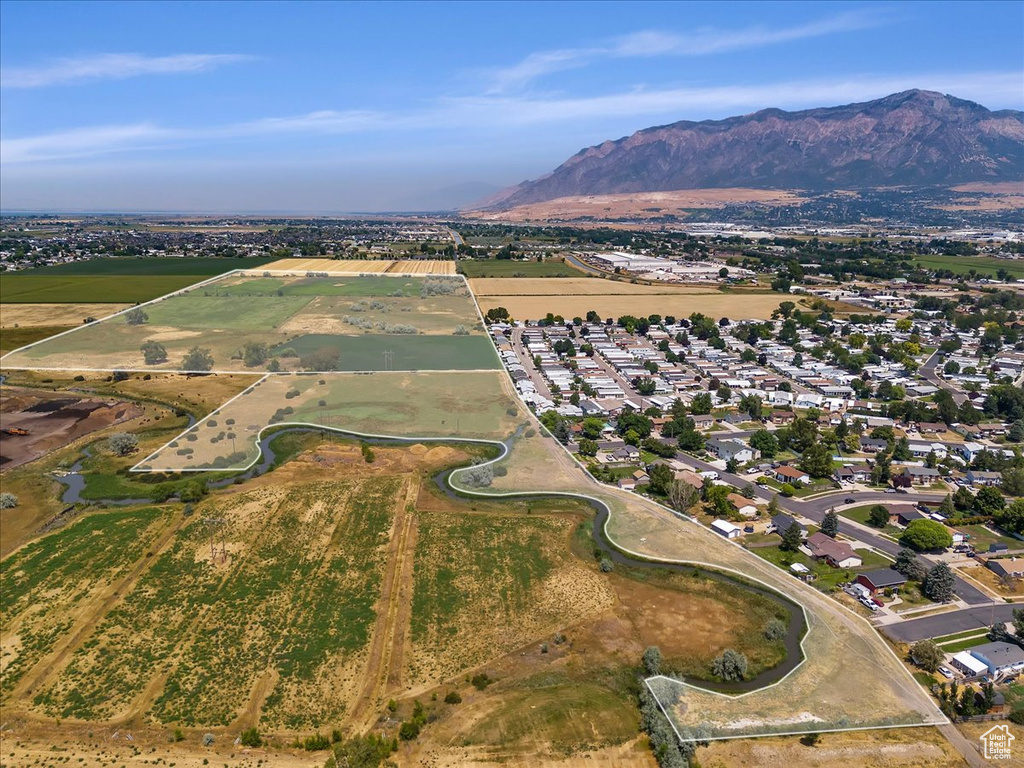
(751, 405)
(255, 353)
(816, 460)
(135, 316)
(122, 443)
(730, 665)
(1013, 481)
(587, 447)
(661, 478)
(765, 442)
(701, 404)
(652, 660)
(153, 352)
(925, 535)
(908, 563)
(989, 501)
(927, 655)
(645, 385)
(197, 359)
(938, 585)
(878, 516)
(792, 538)
(830, 524)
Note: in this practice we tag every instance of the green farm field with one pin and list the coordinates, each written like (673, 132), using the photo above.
(428, 323)
(118, 280)
(48, 583)
(288, 596)
(471, 404)
(495, 268)
(983, 265)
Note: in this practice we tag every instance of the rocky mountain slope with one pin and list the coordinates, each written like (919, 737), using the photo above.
(914, 138)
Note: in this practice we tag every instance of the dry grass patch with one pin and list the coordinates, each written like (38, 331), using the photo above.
(32, 315)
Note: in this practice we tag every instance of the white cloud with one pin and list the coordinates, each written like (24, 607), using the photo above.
(112, 66)
(489, 113)
(702, 41)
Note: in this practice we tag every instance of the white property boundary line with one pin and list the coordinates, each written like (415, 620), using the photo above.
(503, 452)
(253, 273)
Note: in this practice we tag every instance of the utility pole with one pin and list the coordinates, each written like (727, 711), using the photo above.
(213, 524)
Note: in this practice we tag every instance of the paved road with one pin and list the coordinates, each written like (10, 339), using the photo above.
(929, 374)
(815, 509)
(912, 630)
(539, 382)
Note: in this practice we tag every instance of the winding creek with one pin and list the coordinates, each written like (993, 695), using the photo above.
(74, 483)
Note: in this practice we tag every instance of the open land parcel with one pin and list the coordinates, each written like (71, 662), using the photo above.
(278, 547)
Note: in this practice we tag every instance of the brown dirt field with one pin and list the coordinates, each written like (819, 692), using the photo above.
(53, 422)
(389, 640)
(656, 615)
(642, 205)
(893, 748)
(32, 315)
(734, 306)
(39, 744)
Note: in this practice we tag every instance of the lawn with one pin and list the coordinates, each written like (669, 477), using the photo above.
(962, 645)
(981, 537)
(860, 515)
(828, 578)
(495, 268)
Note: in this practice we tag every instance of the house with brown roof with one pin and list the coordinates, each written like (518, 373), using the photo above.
(786, 474)
(838, 554)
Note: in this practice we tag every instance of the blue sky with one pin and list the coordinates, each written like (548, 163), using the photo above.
(324, 107)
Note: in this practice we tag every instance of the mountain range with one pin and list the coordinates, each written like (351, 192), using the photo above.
(914, 138)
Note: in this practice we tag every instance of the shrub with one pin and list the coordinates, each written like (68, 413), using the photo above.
(652, 660)
(123, 443)
(316, 743)
(250, 737)
(207, 739)
(8, 500)
(481, 680)
(730, 665)
(774, 630)
(453, 697)
(607, 566)
(409, 730)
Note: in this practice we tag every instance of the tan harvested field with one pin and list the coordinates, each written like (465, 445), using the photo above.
(362, 266)
(641, 205)
(736, 306)
(424, 267)
(531, 298)
(331, 266)
(35, 315)
(576, 286)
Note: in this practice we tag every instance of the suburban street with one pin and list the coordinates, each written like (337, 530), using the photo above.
(913, 630)
(929, 374)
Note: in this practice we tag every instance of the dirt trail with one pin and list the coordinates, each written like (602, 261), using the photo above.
(390, 639)
(47, 668)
